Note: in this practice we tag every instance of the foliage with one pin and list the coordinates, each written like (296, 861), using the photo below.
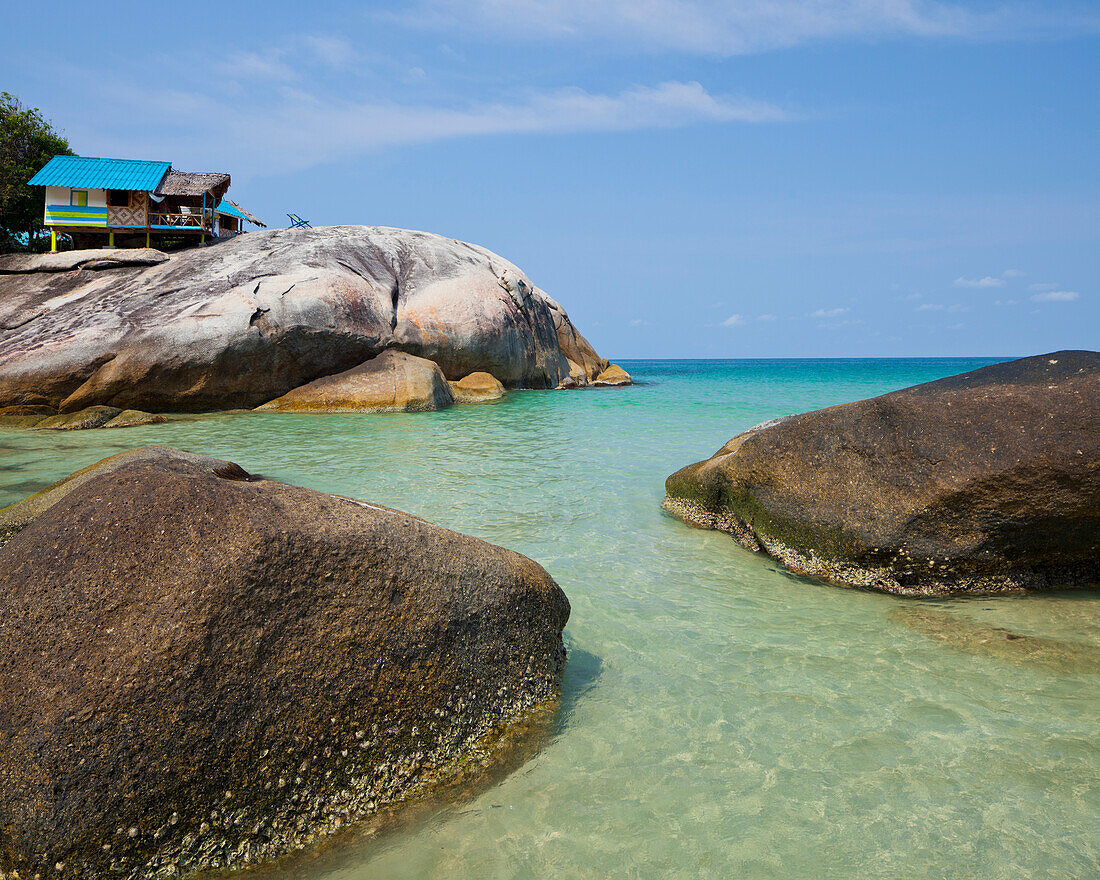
(27, 142)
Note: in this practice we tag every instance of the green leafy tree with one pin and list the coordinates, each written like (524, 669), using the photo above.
(27, 142)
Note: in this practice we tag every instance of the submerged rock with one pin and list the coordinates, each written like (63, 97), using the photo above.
(204, 669)
(979, 483)
(240, 323)
(48, 419)
(477, 388)
(392, 382)
(981, 640)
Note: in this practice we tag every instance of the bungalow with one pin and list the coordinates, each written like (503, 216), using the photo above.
(94, 200)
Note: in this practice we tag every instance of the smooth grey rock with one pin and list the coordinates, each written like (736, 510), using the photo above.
(243, 322)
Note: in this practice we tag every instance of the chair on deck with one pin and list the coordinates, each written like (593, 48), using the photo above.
(296, 222)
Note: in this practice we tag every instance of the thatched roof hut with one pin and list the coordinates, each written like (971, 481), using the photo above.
(194, 183)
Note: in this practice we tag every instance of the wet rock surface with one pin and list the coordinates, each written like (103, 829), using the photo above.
(240, 323)
(979, 483)
(204, 669)
(392, 382)
(48, 419)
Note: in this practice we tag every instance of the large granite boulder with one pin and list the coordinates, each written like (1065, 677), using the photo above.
(240, 323)
(979, 483)
(204, 669)
(392, 382)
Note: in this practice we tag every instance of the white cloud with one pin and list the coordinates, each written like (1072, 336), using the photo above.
(295, 129)
(282, 63)
(724, 27)
(1012, 273)
(987, 281)
(955, 326)
(828, 313)
(1004, 302)
(734, 321)
(940, 307)
(1056, 296)
(333, 51)
(765, 317)
(1044, 285)
(255, 65)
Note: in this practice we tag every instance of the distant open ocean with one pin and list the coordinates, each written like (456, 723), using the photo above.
(721, 717)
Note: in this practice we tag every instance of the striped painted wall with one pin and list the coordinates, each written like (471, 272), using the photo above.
(73, 215)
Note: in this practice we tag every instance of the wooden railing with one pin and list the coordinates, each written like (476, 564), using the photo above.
(183, 220)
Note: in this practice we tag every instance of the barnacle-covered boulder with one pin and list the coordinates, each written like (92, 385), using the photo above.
(200, 668)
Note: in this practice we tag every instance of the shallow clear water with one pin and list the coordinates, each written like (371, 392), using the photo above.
(721, 718)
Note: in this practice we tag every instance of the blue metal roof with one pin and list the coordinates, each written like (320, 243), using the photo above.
(86, 172)
(232, 210)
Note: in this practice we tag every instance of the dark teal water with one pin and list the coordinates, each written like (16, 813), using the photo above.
(722, 718)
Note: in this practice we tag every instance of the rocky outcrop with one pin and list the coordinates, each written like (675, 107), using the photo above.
(612, 376)
(203, 669)
(477, 388)
(241, 323)
(979, 483)
(392, 382)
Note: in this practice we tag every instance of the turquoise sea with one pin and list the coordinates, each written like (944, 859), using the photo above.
(720, 718)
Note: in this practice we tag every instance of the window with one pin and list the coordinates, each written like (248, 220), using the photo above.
(118, 198)
(79, 198)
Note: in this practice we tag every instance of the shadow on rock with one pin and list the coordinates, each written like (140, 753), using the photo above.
(973, 637)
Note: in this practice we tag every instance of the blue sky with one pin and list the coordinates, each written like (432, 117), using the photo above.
(690, 178)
